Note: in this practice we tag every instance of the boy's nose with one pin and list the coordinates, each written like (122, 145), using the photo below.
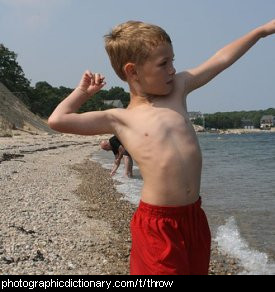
(172, 71)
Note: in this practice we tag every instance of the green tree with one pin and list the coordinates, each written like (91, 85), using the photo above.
(12, 75)
(198, 121)
(118, 93)
(45, 98)
(234, 119)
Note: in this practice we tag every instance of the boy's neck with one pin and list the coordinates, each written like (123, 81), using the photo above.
(139, 98)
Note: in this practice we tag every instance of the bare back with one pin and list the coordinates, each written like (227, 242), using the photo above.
(161, 139)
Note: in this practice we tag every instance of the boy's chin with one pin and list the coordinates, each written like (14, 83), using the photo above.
(164, 92)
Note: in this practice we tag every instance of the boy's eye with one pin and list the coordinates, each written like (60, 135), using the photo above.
(165, 62)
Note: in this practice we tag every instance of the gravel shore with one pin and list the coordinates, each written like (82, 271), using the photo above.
(60, 212)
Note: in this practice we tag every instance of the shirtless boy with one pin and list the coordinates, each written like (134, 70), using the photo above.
(170, 233)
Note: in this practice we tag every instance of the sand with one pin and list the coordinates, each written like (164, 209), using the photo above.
(60, 212)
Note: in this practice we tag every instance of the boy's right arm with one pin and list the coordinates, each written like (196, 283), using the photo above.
(65, 119)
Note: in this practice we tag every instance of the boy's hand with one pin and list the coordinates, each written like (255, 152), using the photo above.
(91, 83)
(268, 28)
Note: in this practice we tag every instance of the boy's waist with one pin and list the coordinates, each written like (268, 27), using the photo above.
(168, 211)
(163, 195)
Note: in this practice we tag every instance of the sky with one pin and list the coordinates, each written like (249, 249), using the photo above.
(57, 40)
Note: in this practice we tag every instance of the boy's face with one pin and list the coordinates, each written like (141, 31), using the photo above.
(156, 75)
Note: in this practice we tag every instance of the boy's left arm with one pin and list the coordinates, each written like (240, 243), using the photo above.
(201, 75)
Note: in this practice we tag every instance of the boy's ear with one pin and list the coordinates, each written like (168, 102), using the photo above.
(130, 70)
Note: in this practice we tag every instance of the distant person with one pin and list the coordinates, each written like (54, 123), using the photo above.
(170, 232)
(119, 151)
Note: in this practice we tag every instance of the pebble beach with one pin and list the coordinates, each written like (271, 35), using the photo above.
(61, 213)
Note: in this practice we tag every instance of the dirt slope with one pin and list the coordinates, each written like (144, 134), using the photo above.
(14, 115)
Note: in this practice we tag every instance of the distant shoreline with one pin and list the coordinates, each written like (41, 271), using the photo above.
(200, 129)
(245, 131)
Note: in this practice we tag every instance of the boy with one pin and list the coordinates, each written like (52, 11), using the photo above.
(170, 233)
(119, 151)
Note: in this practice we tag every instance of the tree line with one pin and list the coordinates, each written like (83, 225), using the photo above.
(42, 98)
(234, 120)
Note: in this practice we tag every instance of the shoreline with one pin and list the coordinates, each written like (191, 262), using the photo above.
(201, 130)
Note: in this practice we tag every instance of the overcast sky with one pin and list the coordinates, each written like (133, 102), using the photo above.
(57, 40)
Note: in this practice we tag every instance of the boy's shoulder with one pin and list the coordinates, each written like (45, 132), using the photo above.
(181, 78)
(181, 84)
(118, 115)
(116, 112)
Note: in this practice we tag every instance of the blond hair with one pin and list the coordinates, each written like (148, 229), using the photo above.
(133, 42)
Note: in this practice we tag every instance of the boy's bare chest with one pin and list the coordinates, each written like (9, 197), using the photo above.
(161, 120)
(150, 125)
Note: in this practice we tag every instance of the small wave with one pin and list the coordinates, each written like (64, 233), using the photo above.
(130, 188)
(229, 241)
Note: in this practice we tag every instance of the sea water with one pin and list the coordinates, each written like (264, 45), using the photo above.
(238, 194)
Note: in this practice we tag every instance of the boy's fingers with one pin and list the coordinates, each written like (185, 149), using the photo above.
(102, 79)
(92, 79)
(88, 73)
(98, 78)
(95, 79)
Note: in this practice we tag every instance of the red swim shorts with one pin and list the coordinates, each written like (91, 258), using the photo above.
(170, 240)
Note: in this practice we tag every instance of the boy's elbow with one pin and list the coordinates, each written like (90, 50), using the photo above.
(54, 123)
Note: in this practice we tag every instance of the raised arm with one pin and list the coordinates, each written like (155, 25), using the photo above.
(65, 119)
(199, 76)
